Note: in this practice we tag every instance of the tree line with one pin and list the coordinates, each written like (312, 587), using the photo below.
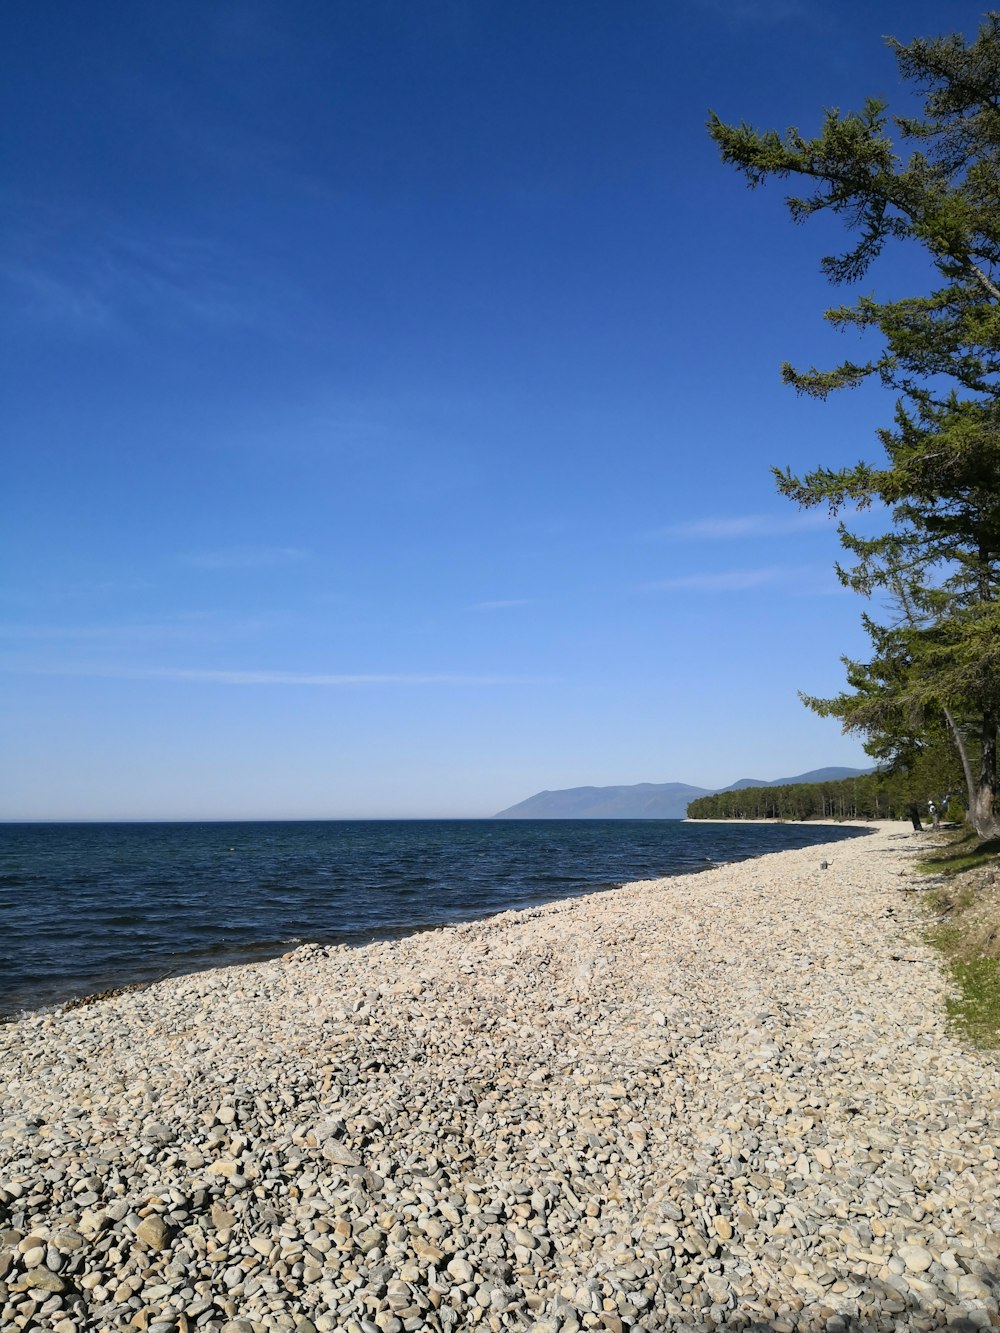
(928, 181)
(873, 796)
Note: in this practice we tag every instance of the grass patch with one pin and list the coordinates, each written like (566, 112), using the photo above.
(946, 938)
(957, 855)
(976, 1009)
(964, 907)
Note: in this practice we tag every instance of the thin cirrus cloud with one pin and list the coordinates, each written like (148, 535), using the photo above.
(328, 680)
(729, 580)
(504, 604)
(53, 299)
(245, 557)
(193, 627)
(213, 676)
(799, 579)
(747, 525)
(110, 274)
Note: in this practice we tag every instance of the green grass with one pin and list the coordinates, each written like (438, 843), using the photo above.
(976, 1009)
(946, 938)
(956, 905)
(964, 853)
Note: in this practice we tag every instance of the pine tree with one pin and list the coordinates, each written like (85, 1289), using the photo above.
(939, 664)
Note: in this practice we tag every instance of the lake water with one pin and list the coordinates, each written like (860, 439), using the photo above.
(86, 907)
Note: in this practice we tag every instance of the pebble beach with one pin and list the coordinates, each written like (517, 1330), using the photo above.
(729, 1099)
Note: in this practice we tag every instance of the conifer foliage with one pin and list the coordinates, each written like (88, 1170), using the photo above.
(930, 180)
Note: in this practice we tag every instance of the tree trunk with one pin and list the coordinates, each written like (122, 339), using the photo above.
(981, 789)
(982, 807)
(915, 817)
(963, 754)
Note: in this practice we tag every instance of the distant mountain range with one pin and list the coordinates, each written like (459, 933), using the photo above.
(645, 800)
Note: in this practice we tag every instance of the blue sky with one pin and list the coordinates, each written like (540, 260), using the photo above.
(390, 391)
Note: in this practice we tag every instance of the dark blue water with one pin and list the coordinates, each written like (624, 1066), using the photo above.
(87, 907)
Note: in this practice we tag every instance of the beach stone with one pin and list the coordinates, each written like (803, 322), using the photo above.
(461, 1270)
(972, 1288)
(916, 1258)
(706, 1101)
(41, 1278)
(154, 1232)
(339, 1155)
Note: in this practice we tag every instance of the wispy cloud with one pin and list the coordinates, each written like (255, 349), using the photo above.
(62, 591)
(76, 306)
(726, 528)
(193, 627)
(245, 557)
(88, 274)
(329, 679)
(736, 527)
(729, 580)
(505, 604)
(214, 676)
(800, 580)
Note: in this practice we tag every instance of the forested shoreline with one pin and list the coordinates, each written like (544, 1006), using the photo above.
(874, 796)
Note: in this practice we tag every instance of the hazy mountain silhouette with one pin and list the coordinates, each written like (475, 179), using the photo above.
(645, 800)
